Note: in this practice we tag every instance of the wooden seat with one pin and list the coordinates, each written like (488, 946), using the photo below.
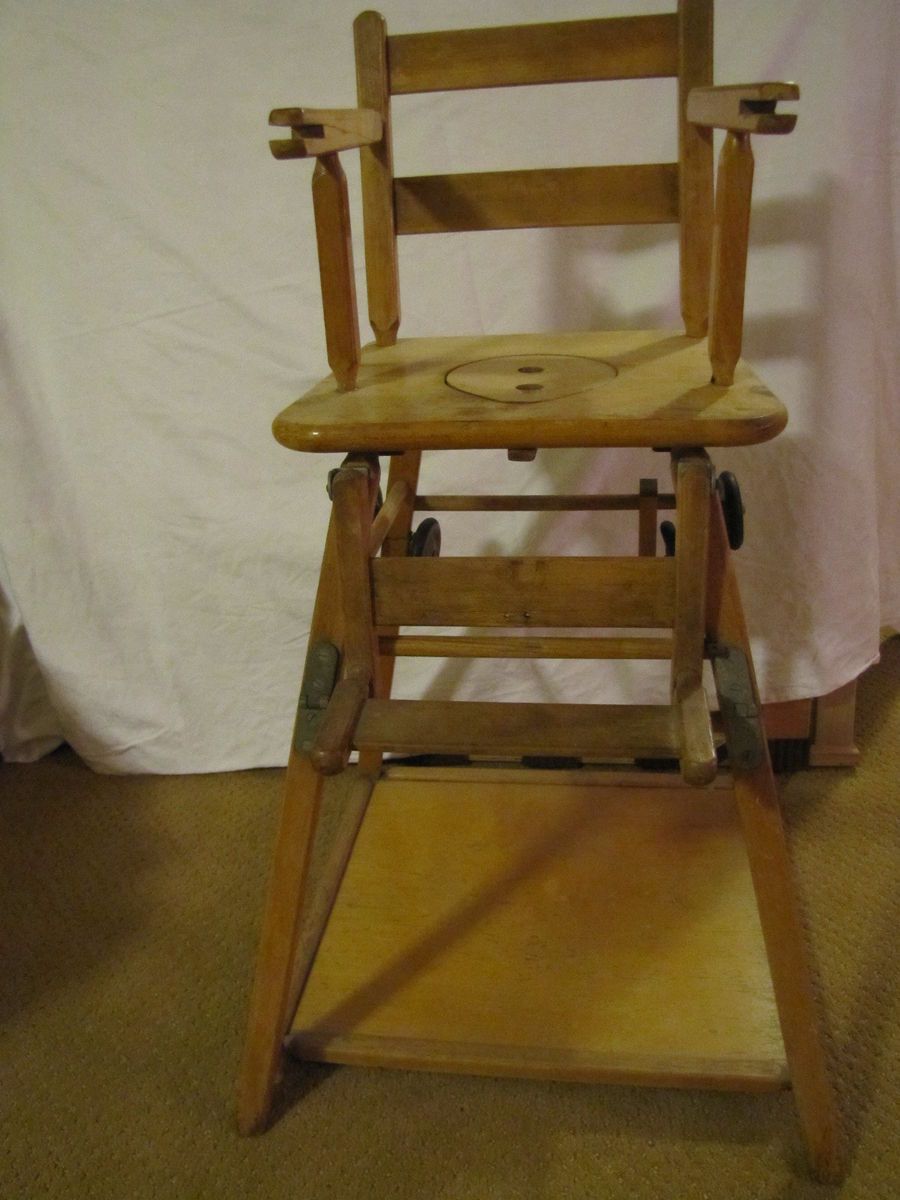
(633, 388)
(382, 583)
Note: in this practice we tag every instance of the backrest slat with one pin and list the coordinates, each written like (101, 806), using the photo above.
(644, 194)
(559, 52)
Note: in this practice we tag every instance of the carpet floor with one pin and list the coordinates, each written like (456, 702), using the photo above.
(129, 911)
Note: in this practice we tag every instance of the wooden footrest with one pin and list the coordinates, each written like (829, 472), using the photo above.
(512, 730)
(550, 925)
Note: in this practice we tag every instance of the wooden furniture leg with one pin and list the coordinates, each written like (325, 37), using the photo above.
(298, 906)
(758, 804)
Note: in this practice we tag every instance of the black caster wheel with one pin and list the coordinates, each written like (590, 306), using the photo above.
(425, 542)
(732, 508)
(667, 531)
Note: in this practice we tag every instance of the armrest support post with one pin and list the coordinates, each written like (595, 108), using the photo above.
(332, 212)
(734, 187)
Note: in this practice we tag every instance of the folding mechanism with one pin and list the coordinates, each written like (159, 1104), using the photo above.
(372, 940)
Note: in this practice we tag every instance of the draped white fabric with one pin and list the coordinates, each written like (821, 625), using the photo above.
(159, 551)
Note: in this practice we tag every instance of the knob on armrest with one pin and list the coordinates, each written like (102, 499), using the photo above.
(317, 131)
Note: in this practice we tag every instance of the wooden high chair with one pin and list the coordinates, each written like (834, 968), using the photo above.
(493, 914)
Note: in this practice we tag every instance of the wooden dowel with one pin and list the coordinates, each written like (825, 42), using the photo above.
(693, 481)
(648, 508)
(425, 646)
(331, 749)
(351, 497)
(694, 487)
(611, 503)
(332, 213)
(734, 187)
(398, 493)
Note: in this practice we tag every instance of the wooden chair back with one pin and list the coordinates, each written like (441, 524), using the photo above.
(674, 45)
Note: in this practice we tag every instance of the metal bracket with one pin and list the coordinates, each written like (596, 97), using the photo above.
(741, 716)
(319, 678)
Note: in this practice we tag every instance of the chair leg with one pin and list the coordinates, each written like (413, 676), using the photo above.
(271, 1001)
(758, 804)
(298, 906)
(404, 468)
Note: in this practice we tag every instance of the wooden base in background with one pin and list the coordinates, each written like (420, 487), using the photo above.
(571, 925)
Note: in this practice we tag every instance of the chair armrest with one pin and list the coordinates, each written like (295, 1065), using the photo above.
(318, 131)
(743, 107)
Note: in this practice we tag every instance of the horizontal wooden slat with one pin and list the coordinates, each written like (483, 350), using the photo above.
(511, 646)
(510, 730)
(639, 194)
(638, 47)
(612, 502)
(599, 593)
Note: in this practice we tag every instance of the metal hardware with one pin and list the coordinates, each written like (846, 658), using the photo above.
(741, 717)
(319, 677)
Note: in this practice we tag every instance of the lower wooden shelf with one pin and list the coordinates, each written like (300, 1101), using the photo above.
(546, 924)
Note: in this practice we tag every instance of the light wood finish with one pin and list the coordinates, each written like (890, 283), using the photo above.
(734, 187)
(834, 743)
(404, 470)
(377, 172)
(330, 751)
(332, 211)
(660, 396)
(509, 646)
(276, 986)
(743, 107)
(558, 52)
(573, 931)
(643, 194)
(611, 502)
(694, 476)
(648, 509)
(353, 500)
(770, 867)
(513, 730)
(397, 499)
(317, 131)
(695, 157)
(529, 378)
(600, 593)
(790, 719)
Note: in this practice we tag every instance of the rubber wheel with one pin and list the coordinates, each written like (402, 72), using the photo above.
(425, 542)
(732, 508)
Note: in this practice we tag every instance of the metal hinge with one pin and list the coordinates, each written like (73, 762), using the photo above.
(319, 677)
(741, 717)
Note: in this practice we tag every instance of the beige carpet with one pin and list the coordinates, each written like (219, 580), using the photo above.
(129, 916)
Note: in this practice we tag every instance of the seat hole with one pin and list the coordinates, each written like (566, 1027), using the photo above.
(531, 370)
(529, 387)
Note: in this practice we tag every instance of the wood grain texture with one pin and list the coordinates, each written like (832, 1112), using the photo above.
(509, 646)
(783, 931)
(660, 396)
(695, 156)
(693, 478)
(743, 107)
(512, 730)
(573, 931)
(601, 593)
(377, 172)
(734, 187)
(557, 52)
(609, 502)
(333, 239)
(643, 194)
(317, 131)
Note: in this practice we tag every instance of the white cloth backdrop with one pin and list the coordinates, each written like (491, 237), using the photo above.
(159, 551)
